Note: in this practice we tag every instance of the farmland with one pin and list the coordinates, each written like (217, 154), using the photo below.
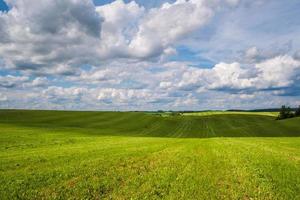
(136, 155)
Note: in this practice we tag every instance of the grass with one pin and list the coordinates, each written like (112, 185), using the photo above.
(95, 155)
(149, 125)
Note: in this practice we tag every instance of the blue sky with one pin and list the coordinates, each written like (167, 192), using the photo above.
(3, 6)
(149, 55)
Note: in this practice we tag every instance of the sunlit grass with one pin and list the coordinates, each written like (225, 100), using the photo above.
(92, 155)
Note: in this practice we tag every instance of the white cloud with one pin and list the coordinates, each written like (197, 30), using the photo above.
(230, 76)
(70, 54)
(119, 25)
(278, 72)
(161, 28)
(3, 97)
(42, 36)
(123, 95)
(165, 85)
(252, 54)
(64, 92)
(38, 82)
(10, 81)
(131, 31)
(188, 101)
(22, 82)
(103, 75)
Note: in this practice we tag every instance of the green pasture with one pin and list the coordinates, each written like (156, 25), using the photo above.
(133, 155)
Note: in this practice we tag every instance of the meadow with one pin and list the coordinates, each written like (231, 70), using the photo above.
(136, 155)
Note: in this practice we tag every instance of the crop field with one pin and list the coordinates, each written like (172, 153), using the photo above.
(135, 155)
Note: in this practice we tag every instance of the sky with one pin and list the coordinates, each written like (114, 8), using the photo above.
(149, 55)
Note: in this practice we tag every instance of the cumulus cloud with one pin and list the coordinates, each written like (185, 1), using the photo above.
(109, 95)
(10, 81)
(165, 85)
(3, 97)
(96, 98)
(278, 72)
(230, 76)
(55, 17)
(188, 101)
(252, 55)
(281, 73)
(161, 28)
(37, 82)
(104, 75)
(72, 92)
(71, 54)
(119, 25)
(46, 34)
(19, 82)
(39, 35)
(131, 31)
(174, 84)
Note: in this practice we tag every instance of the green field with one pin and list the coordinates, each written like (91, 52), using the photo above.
(134, 155)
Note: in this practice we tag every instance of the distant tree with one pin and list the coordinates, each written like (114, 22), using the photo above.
(282, 113)
(297, 112)
(285, 112)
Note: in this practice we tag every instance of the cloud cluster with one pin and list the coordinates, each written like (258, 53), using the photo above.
(3, 98)
(278, 73)
(41, 35)
(44, 36)
(19, 82)
(71, 54)
(12, 81)
(160, 28)
(131, 31)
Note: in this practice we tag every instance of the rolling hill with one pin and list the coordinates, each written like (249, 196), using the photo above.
(220, 124)
(135, 155)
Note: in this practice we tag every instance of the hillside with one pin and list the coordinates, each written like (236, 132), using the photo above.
(93, 155)
(145, 124)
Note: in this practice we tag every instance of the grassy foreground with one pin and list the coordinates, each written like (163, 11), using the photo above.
(92, 155)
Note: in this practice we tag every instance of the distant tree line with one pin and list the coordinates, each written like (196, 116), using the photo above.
(286, 112)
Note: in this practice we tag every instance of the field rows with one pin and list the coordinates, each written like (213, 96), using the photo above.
(140, 124)
(106, 155)
(58, 166)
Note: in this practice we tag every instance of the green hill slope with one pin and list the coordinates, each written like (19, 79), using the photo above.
(144, 124)
(88, 155)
